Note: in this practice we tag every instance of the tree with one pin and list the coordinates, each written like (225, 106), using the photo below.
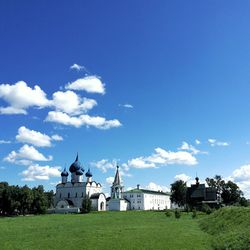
(231, 193)
(216, 182)
(39, 204)
(86, 204)
(178, 192)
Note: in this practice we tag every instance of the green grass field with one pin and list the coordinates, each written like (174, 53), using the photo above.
(103, 230)
(229, 227)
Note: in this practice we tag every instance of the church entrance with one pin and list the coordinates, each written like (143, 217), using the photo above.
(102, 206)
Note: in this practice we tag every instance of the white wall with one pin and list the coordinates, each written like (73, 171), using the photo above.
(144, 201)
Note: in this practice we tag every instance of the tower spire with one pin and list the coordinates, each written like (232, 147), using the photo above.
(117, 180)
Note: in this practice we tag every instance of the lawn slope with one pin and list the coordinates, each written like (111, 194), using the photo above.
(230, 228)
(103, 230)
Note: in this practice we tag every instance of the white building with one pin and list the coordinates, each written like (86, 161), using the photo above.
(136, 199)
(117, 202)
(69, 194)
(143, 199)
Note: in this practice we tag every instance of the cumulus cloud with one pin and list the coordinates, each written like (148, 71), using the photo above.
(4, 142)
(57, 138)
(183, 177)
(90, 84)
(35, 138)
(82, 120)
(188, 147)
(162, 157)
(155, 187)
(77, 67)
(104, 165)
(25, 155)
(37, 172)
(241, 176)
(70, 103)
(215, 142)
(198, 142)
(20, 97)
(110, 180)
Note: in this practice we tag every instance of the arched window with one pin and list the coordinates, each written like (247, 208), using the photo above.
(60, 195)
(68, 195)
(76, 195)
(82, 194)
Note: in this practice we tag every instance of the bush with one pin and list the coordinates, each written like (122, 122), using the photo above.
(194, 214)
(177, 213)
(206, 209)
(86, 205)
(168, 213)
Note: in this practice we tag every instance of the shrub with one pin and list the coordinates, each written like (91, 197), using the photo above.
(168, 213)
(206, 209)
(194, 214)
(86, 205)
(177, 213)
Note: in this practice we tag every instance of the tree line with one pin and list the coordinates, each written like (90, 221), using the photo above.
(228, 192)
(16, 200)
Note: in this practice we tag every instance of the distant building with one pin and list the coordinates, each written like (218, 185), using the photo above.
(136, 199)
(69, 194)
(116, 201)
(198, 194)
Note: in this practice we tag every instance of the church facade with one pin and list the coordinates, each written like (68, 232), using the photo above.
(70, 193)
(136, 199)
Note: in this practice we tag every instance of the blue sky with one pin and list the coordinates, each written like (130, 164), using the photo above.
(160, 87)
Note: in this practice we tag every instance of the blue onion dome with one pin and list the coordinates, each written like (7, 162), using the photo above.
(79, 172)
(88, 174)
(64, 173)
(75, 166)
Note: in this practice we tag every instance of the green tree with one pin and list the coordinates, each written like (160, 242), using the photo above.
(216, 182)
(178, 192)
(231, 193)
(39, 204)
(86, 205)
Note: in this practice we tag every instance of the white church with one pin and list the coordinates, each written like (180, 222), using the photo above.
(136, 199)
(70, 193)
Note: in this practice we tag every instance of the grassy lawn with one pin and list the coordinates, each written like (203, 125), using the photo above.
(103, 230)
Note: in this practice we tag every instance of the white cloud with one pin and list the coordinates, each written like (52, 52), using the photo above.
(90, 84)
(104, 165)
(155, 187)
(82, 120)
(162, 157)
(77, 67)
(241, 177)
(214, 142)
(70, 103)
(198, 142)
(4, 142)
(188, 147)
(20, 97)
(57, 137)
(110, 180)
(25, 155)
(127, 105)
(36, 138)
(37, 172)
(183, 177)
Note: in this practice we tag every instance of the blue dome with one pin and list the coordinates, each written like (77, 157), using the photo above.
(75, 166)
(79, 172)
(88, 174)
(64, 173)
